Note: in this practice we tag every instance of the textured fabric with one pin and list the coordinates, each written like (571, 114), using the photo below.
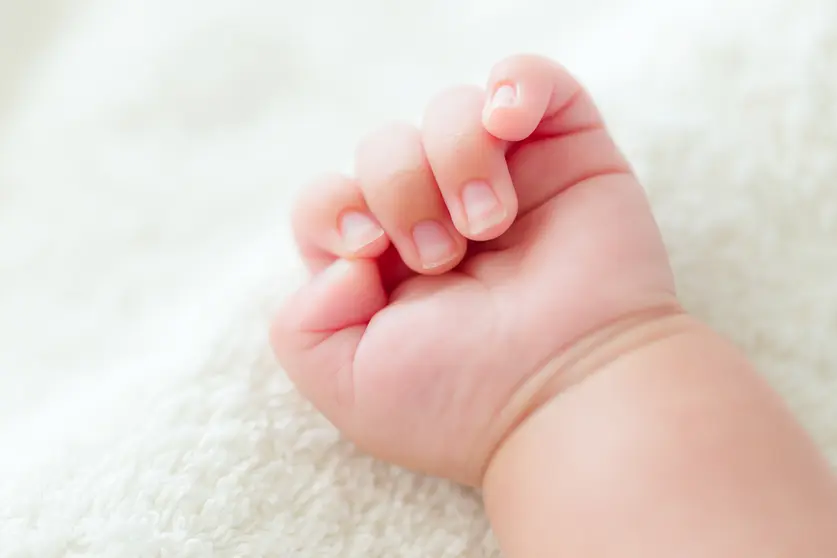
(148, 153)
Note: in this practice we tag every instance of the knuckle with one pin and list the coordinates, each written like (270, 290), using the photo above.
(399, 193)
(317, 192)
(321, 197)
(453, 105)
(385, 138)
(387, 153)
(523, 61)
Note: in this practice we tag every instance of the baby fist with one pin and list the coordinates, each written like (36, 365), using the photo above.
(470, 270)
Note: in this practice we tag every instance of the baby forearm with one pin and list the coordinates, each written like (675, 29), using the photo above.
(675, 449)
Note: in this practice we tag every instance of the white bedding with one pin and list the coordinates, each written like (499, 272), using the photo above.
(148, 152)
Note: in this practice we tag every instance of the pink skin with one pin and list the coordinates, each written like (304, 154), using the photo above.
(430, 364)
(535, 347)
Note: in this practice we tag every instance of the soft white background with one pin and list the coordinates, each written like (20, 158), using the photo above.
(148, 153)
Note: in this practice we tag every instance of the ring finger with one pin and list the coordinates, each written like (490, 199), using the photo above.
(401, 192)
(469, 164)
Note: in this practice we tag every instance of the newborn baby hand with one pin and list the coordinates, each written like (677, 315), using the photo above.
(470, 270)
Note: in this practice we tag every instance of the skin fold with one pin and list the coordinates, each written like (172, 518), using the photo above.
(491, 302)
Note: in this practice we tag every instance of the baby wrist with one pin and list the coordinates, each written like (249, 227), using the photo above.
(583, 358)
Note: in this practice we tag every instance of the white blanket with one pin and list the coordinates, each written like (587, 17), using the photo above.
(148, 153)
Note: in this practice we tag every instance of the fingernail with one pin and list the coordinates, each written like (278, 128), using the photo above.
(504, 96)
(435, 246)
(358, 230)
(482, 207)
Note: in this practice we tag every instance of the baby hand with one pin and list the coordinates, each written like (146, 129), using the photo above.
(472, 269)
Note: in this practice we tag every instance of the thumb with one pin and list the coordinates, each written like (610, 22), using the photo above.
(316, 334)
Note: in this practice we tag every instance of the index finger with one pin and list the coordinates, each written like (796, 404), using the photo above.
(555, 133)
